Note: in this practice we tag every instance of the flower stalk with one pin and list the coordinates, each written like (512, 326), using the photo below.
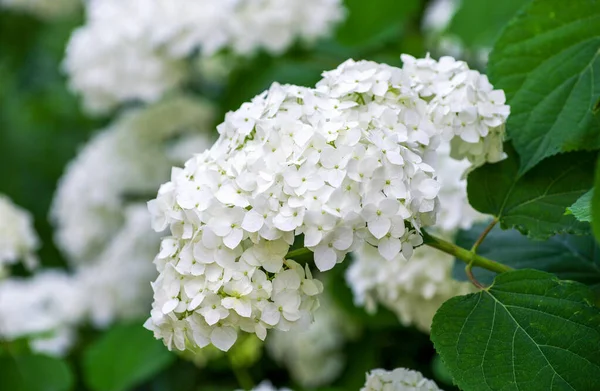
(467, 256)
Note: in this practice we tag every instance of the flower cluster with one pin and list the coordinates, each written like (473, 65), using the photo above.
(346, 163)
(105, 233)
(135, 49)
(45, 308)
(18, 240)
(129, 160)
(45, 9)
(463, 105)
(399, 379)
(117, 279)
(314, 357)
(414, 290)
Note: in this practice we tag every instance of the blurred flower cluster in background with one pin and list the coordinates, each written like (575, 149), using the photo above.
(99, 99)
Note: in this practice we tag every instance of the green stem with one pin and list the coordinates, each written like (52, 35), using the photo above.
(469, 271)
(463, 254)
(449, 248)
(485, 232)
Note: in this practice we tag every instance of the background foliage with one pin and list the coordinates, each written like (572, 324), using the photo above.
(548, 51)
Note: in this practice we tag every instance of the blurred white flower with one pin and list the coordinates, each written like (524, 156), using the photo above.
(413, 290)
(118, 281)
(315, 357)
(124, 162)
(136, 49)
(18, 240)
(44, 308)
(438, 14)
(102, 225)
(45, 9)
(399, 379)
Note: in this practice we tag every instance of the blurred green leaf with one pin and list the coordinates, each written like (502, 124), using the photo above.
(28, 372)
(371, 21)
(547, 61)
(123, 357)
(477, 23)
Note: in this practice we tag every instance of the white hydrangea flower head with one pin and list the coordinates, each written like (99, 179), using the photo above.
(45, 307)
(18, 239)
(314, 357)
(107, 66)
(117, 281)
(136, 49)
(293, 161)
(274, 25)
(463, 104)
(45, 9)
(129, 159)
(346, 163)
(400, 379)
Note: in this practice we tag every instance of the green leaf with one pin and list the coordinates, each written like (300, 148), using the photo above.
(596, 203)
(29, 372)
(477, 23)
(529, 331)
(368, 22)
(568, 257)
(547, 61)
(125, 356)
(534, 203)
(581, 209)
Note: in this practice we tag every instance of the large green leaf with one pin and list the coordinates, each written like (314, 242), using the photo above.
(478, 23)
(534, 203)
(569, 257)
(125, 356)
(582, 208)
(28, 372)
(367, 22)
(547, 61)
(529, 331)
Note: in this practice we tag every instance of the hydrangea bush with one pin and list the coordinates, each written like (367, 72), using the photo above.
(279, 199)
